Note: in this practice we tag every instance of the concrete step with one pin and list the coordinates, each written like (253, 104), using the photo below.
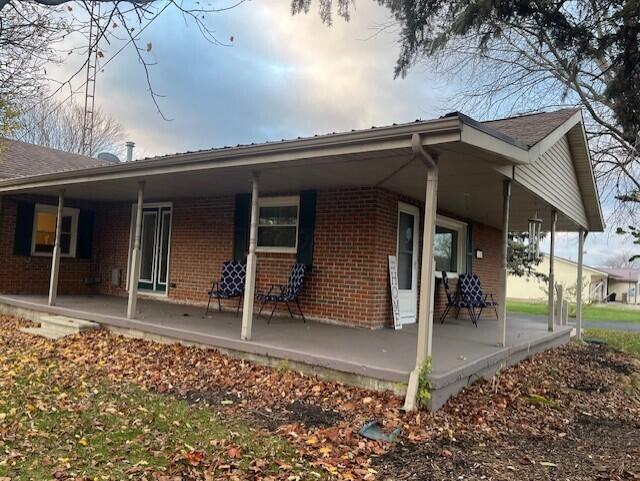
(56, 327)
(48, 333)
(67, 323)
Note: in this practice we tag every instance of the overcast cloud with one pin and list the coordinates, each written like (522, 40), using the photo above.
(283, 77)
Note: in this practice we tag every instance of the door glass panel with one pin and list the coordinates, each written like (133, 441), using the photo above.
(405, 251)
(148, 244)
(164, 247)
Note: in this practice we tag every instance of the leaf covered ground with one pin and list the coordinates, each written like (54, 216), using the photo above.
(100, 406)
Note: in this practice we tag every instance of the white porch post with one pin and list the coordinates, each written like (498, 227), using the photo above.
(134, 275)
(427, 288)
(502, 300)
(581, 236)
(250, 283)
(552, 282)
(55, 258)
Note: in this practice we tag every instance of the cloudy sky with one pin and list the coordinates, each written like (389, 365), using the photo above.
(281, 77)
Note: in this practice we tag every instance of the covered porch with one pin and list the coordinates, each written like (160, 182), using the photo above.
(377, 359)
(450, 178)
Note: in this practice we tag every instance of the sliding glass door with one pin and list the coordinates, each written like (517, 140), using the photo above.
(154, 243)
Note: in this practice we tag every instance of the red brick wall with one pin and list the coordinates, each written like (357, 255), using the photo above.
(31, 274)
(354, 235)
(201, 240)
(111, 245)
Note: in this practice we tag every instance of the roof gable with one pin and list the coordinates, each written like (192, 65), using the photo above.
(531, 128)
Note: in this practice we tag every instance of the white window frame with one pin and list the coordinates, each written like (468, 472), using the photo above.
(53, 209)
(461, 228)
(286, 201)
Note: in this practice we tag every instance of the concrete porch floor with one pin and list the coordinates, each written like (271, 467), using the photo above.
(462, 353)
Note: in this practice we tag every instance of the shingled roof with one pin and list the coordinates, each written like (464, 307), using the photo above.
(531, 128)
(20, 159)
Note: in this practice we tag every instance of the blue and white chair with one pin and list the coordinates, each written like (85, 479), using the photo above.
(231, 284)
(287, 294)
(472, 298)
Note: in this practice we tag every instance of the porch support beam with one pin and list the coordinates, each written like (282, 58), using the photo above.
(134, 275)
(581, 236)
(55, 258)
(250, 283)
(552, 281)
(502, 300)
(427, 288)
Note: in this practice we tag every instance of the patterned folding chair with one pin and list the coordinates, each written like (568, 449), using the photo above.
(472, 297)
(287, 294)
(453, 298)
(231, 284)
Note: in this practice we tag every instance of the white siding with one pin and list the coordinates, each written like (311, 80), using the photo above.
(553, 178)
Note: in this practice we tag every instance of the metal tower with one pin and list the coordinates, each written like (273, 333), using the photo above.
(90, 83)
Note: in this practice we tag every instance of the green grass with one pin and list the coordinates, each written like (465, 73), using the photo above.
(624, 341)
(534, 308)
(590, 312)
(87, 427)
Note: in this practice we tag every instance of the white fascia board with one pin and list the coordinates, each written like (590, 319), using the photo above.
(372, 140)
(505, 151)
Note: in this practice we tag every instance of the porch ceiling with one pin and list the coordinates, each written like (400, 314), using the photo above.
(470, 182)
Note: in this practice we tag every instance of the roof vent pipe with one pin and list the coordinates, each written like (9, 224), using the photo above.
(130, 145)
(418, 149)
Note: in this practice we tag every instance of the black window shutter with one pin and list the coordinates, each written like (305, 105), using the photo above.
(84, 244)
(241, 226)
(469, 247)
(306, 226)
(24, 229)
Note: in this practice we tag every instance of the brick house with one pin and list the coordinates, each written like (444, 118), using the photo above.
(339, 203)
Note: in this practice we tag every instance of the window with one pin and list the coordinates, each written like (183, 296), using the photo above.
(44, 230)
(449, 246)
(278, 224)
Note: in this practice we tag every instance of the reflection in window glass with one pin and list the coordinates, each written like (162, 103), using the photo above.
(446, 249)
(285, 215)
(405, 251)
(278, 226)
(148, 243)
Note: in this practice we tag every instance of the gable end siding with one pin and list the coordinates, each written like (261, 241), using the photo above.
(553, 177)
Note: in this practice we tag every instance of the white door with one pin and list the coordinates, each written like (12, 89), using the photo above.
(407, 252)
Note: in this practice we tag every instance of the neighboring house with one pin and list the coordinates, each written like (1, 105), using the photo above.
(341, 203)
(624, 284)
(594, 281)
